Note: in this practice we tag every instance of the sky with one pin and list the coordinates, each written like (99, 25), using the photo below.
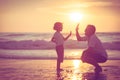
(40, 15)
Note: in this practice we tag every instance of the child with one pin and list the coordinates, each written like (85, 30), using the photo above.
(58, 39)
(95, 53)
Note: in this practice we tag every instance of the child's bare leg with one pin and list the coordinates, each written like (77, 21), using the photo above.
(58, 64)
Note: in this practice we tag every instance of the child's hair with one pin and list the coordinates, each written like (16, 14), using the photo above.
(57, 25)
(91, 28)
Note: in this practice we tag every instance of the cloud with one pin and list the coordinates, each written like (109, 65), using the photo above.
(59, 3)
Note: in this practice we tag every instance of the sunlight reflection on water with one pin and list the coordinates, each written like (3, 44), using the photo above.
(76, 63)
(76, 70)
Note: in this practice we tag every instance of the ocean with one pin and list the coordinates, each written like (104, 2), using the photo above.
(39, 46)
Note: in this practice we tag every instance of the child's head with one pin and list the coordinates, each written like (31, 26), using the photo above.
(58, 26)
(90, 30)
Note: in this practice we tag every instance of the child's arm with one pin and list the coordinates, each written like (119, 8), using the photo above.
(68, 36)
(53, 39)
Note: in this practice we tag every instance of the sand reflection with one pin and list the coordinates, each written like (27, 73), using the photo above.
(77, 70)
(76, 63)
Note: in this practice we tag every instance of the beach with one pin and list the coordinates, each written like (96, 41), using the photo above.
(31, 56)
(31, 32)
(31, 69)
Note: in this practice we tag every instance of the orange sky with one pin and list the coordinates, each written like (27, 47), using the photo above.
(40, 15)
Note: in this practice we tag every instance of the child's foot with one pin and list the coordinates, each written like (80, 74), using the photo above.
(60, 70)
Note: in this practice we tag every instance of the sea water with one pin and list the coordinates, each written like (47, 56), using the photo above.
(39, 45)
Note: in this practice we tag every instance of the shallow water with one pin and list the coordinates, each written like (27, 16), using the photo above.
(50, 54)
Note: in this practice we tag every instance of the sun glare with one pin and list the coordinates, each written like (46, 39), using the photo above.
(75, 16)
(76, 63)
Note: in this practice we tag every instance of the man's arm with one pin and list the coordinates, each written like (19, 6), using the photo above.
(79, 38)
(77, 33)
(90, 50)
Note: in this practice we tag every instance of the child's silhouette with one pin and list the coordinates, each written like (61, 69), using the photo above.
(95, 53)
(59, 41)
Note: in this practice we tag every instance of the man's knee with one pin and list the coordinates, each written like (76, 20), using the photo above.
(102, 60)
(84, 58)
(84, 55)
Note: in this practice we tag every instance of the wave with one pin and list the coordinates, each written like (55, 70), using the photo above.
(43, 44)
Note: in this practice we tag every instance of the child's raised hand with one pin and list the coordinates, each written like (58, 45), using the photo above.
(77, 27)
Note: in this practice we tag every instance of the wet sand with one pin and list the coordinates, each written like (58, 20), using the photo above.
(28, 69)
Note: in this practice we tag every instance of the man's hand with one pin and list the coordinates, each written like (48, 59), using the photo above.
(77, 27)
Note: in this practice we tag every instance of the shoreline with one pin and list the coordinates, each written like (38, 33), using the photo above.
(2, 58)
(70, 54)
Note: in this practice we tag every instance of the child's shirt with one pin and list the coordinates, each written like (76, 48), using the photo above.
(59, 40)
(96, 44)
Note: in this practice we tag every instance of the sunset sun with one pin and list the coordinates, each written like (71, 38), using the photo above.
(75, 16)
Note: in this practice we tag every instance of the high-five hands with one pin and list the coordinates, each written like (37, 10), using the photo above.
(77, 27)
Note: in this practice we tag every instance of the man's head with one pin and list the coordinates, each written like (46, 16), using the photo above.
(90, 30)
